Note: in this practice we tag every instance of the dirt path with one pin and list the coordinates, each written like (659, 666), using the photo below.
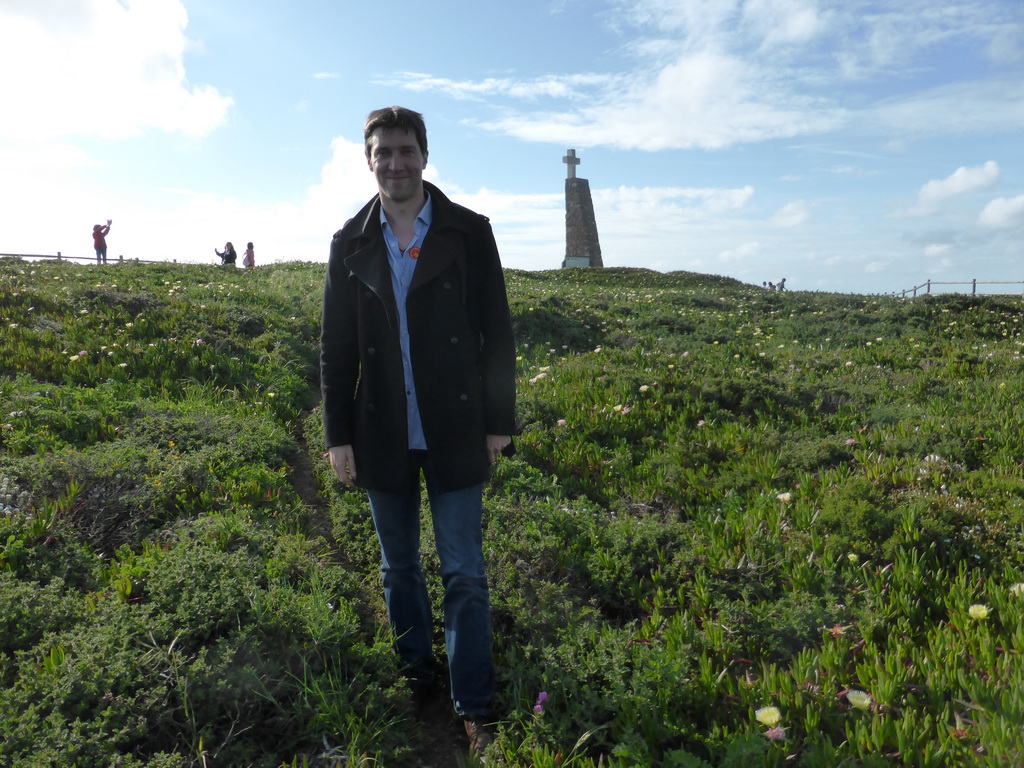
(442, 742)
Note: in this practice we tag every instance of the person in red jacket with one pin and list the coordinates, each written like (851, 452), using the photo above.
(417, 367)
(99, 241)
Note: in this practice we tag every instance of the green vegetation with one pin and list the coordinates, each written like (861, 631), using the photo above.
(742, 528)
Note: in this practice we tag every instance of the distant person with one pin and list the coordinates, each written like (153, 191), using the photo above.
(99, 241)
(771, 286)
(228, 256)
(782, 284)
(249, 260)
(417, 369)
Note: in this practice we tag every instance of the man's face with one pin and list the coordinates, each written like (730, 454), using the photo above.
(397, 162)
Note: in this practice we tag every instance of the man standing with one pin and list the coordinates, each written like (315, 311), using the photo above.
(417, 370)
(99, 241)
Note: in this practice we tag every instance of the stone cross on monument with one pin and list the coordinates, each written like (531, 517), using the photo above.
(571, 161)
(582, 248)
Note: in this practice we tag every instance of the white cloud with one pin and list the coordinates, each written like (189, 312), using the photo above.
(703, 99)
(1005, 47)
(718, 73)
(99, 67)
(190, 223)
(32, 157)
(954, 109)
(549, 86)
(784, 22)
(935, 250)
(792, 214)
(676, 202)
(1003, 212)
(961, 181)
(741, 253)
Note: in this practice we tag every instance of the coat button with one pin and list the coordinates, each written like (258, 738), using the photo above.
(371, 351)
(371, 407)
(463, 398)
(448, 285)
(455, 339)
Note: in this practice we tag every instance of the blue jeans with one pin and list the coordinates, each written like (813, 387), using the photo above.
(457, 517)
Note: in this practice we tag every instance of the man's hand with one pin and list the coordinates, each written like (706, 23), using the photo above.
(344, 464)
(495, 445)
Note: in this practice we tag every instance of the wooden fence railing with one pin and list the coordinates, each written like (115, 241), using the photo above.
(59, 257)
(927, 286)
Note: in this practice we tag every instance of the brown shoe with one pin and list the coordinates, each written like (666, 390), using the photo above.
(480, 734)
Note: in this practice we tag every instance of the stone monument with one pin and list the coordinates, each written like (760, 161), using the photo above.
(582, 248)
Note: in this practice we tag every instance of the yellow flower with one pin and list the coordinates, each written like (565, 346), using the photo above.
(978, 612)
(769, 716)
(853, 558)
(858, 699)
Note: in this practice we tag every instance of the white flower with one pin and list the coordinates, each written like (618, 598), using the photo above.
(1017, 590)
(978, 612)
(784, 497)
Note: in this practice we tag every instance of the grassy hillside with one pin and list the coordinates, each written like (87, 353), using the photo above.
(743, 528)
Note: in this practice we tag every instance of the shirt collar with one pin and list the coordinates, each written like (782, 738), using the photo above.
(425, 217)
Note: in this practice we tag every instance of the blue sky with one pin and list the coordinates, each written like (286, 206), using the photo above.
(847, 145)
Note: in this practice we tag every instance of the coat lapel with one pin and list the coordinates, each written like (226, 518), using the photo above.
(369, 261)
(439, 249)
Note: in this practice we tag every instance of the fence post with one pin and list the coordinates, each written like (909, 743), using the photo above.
(929, 289)
(58, 255)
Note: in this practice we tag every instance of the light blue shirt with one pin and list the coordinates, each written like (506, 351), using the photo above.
(402, 267)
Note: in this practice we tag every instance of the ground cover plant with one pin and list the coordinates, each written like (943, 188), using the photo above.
(742, 528)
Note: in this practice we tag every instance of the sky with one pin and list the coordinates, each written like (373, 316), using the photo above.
(856, 146)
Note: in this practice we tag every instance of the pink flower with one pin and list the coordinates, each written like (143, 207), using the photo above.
(851, 441)
(539, 706)
(560, 422)
(775, 734)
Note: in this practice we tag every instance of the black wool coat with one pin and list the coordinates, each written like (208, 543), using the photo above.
(461, 344)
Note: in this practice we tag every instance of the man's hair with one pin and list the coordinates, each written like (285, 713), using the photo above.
(395, 117)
